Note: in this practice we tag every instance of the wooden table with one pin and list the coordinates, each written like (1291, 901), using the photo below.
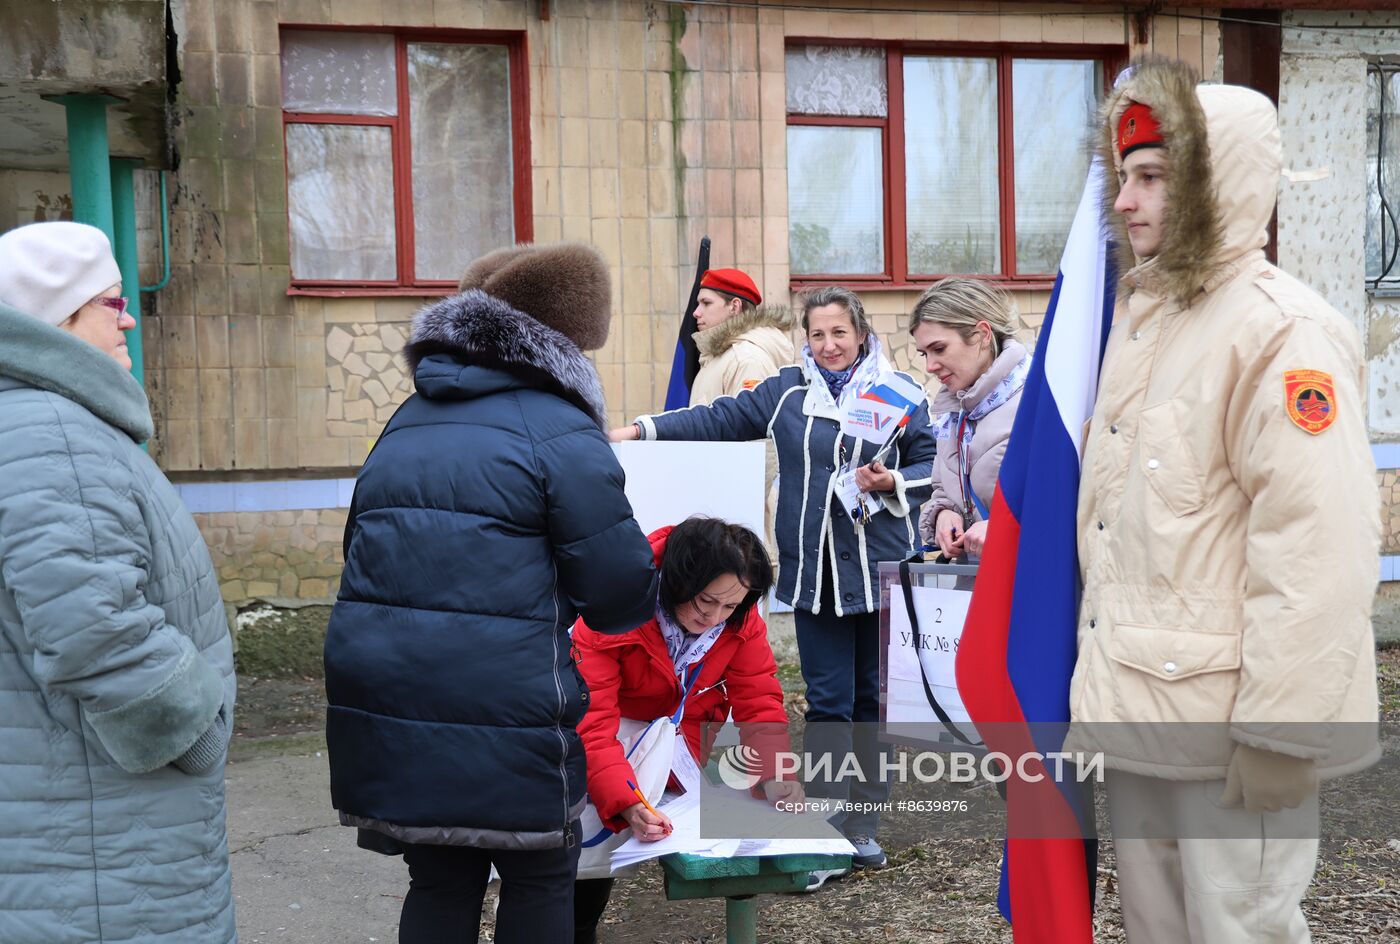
(738, 880)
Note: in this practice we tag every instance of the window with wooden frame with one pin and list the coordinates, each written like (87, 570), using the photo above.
(909, 162)
(407, 155)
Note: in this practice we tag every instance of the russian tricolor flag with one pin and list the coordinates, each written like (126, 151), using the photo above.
(1018, 645)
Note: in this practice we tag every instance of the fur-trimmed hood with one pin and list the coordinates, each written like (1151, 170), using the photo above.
(713, 342)
(475, 329)
(1226, 157)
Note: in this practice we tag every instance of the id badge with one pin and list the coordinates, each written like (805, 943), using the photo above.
(851, 497)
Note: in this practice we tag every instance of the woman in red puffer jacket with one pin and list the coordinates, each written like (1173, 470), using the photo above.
(707, 637)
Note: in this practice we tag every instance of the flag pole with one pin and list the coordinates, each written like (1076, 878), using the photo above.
(685, 363)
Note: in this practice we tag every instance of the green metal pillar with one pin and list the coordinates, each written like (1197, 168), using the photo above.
(740, 920)
(124, 248)
(103, 197)
(88, 158)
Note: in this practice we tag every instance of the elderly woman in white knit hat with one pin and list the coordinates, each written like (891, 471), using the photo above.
(116, 667)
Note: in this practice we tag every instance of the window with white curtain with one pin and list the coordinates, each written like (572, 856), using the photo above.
(403, 159)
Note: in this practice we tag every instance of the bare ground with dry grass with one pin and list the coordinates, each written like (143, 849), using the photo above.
(936, 890)
(943, 891)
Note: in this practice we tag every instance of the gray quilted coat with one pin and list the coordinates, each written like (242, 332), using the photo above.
(116, 668)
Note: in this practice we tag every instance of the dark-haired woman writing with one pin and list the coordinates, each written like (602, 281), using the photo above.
(707, 646)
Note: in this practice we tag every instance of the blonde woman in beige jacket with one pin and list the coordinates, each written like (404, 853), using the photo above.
(965, 329)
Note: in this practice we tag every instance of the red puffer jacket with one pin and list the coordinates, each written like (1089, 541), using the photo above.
(631, 675)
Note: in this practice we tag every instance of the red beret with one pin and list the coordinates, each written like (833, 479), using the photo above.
(732, 282)
(1138, 128)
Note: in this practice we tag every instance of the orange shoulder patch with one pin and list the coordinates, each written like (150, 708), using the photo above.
(1311, 399)
(750, 384)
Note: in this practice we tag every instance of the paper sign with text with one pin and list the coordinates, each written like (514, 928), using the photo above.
(932, 656)
(871, 420)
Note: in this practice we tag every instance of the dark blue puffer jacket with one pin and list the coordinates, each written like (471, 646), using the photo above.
(489, 516)
(818, 543)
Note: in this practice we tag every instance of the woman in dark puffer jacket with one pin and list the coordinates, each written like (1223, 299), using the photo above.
(489, 516)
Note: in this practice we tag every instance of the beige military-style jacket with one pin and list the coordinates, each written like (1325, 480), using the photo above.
(736, 355)
(741, 352)
(1229, 517)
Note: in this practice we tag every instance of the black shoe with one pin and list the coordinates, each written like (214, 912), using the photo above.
(868, 855)
(819, 877)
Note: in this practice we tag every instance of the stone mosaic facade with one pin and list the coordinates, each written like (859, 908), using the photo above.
(1390, 510)
(351, 376)
(277, 556)
(365, 377)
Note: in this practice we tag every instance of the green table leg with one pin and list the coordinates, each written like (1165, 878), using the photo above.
(741, 920)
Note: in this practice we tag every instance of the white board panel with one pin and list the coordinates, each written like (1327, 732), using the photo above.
(668, 482)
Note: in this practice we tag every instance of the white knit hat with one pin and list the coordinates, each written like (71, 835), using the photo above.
(50, 270)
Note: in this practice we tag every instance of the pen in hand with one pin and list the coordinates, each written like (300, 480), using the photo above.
(664, 820)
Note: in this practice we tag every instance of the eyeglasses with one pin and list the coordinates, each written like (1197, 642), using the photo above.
(117, 304)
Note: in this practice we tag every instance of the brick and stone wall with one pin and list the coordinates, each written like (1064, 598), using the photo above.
(650, 125)
(278, 556)
(1390, 510)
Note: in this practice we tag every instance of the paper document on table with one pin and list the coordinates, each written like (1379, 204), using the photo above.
(773, 847)
(684, 813)
(755, 821)
(724, 849)
(755, 829)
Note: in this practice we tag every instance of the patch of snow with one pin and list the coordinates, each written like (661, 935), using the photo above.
(254, 615)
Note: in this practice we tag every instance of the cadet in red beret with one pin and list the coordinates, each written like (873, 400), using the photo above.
(740, 344)
(733, 283)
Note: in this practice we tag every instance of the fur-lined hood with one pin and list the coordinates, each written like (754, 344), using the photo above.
(713, 342)
(1226, 158)
(478, 330)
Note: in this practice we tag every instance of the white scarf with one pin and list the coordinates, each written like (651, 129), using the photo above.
(685, 648)
(1002, 392)
(871, 366)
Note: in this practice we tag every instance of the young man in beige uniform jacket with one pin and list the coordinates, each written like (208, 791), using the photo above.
(1229, 530)
(741, 345)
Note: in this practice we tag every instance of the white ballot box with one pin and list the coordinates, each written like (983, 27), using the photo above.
(919, 700)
